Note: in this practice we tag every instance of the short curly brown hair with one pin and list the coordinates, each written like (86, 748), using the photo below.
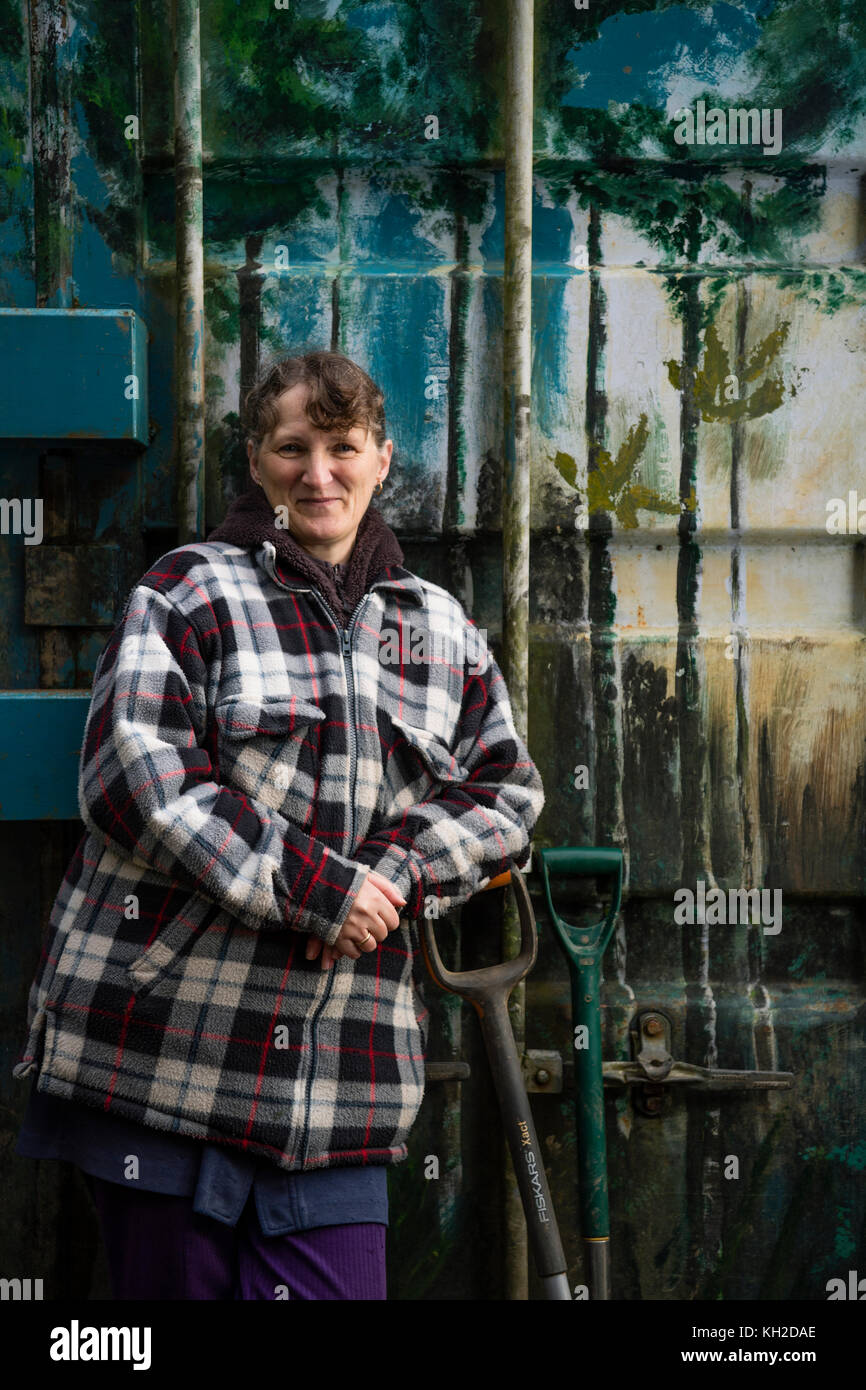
(342, 395)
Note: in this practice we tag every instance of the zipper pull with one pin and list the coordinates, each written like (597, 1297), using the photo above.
(346, 640)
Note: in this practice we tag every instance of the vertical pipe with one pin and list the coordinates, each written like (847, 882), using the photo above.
(337, 326)
(250, 280)
(51, 72)
(516, 368)
(605, 663)
(189, 258)
(692, 716)
(460, 287)
(50, 101)
(450, 1191)
(691, 682)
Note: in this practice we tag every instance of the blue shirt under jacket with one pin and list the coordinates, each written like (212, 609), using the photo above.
(219, 1182)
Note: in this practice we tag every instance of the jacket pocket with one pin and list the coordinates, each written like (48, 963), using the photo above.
(429, 749)
(171, 944)
(270, 750)
(130, 927)
(418, 761)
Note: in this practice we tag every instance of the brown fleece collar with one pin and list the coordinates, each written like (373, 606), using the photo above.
(250, 521)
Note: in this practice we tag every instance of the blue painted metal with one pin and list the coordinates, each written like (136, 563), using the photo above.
(41, 733)
(73, 374)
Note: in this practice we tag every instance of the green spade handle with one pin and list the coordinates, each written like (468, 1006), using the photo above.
(583, 949)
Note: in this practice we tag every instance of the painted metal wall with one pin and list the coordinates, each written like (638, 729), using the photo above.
(697, 606)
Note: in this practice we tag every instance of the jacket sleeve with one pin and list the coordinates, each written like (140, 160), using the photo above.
(147, 787)
(466, 832)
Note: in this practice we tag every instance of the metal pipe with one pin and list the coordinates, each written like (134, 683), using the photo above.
(516, 371)
(50, 99)
(189, 260)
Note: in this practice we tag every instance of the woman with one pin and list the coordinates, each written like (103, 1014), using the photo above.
(225, 1030)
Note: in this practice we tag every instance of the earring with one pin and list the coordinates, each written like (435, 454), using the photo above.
(379, 487)
(258, 482)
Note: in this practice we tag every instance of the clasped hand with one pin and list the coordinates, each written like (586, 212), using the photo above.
(371, 917)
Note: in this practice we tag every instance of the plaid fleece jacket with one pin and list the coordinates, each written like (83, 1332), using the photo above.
(246, 762)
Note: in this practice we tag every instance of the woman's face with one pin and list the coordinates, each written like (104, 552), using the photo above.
(323, 478)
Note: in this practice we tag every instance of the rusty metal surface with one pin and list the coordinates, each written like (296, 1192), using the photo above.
(71, 586)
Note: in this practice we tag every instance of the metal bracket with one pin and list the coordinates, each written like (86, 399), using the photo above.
(654, 1069)
(446, 1071)
(542, 1071)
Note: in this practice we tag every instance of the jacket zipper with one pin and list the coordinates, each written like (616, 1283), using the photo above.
(351, 691)
(345, 635)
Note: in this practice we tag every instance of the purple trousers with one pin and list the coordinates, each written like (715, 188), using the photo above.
(159, 1248)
